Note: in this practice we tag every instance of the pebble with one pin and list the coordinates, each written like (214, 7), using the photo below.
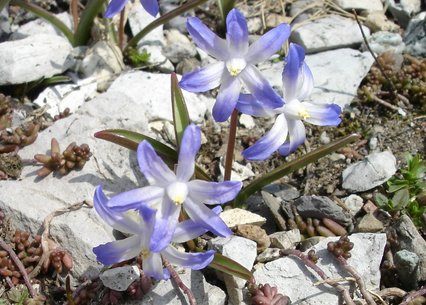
(406, 264)
(178, 46)
(254, 233)
(285, 239)
(247, 121)
(377, 21)
(354, 203)
(120, 278)
(382, 41)
(237, 216)
(274, 206)
(415, 36)
(369, 224)
(268, 255)
(324, 138)
(362, 5)
(284, 191)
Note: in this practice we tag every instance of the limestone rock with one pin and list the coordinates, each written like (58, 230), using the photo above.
(178, 46)
(369, 224)
(363, 5)
(354, 203)
(285, 239)
(138, 20)
(120, 278)
(377, 21)
(381, 42)
(234, 217)
(406, 264)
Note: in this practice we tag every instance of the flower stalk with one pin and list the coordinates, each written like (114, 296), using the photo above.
(231, 144)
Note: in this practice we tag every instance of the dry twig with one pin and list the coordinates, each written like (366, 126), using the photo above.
(175, 277)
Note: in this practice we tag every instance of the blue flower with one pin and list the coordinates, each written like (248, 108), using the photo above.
(288, 131)
(140, 225)
(116, 6)
(236, 63)
(168, 192)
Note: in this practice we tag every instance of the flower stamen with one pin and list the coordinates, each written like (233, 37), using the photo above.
(235, 66)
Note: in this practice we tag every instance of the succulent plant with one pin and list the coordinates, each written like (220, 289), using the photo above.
(342, 247)
(268, 295)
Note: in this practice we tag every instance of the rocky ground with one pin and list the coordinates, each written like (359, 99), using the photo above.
(301, 212)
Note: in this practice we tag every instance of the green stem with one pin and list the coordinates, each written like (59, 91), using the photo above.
(224, 7)
(290, 167)
(3, 4)
(82, 34)
(162, 20)
(42, 13)
(231, 144)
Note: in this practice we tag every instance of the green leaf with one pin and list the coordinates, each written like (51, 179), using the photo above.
(229, 266)
(401, 199)
(397, 186)
(180, 112)
(292, 166)
(381, 200)
(131, 140)
(83, 32)
(224, 7)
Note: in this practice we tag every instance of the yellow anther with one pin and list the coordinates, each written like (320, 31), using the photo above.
(235, 66)
(145, 253)
(304, 114)
(177, 192)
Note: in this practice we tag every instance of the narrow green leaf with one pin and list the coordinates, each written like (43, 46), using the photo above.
(131, 140)
(83, 32)
(224, 7)
(180, 112)
(229, 266)
(3, 4)
(381, 200)
(292, 166)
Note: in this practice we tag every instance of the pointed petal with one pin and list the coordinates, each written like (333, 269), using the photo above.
(237, 33)
(134, 199)
(323, 115)
(227, 97)
(191, 142)
(194, 261)
(117, 220)
(213, 192)
(165, 225)
(153, 266)
(203, 79)
(270, 142)
(114, 7)
(151, 165)
(118, 251)
(151, 6)
(268, 44)
(206, 40)
(297, 136)
(306, 82)
(257, 85)
(248, 104)
(206, 217)
(291, 71)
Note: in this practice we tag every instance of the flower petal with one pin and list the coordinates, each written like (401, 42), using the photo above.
(114, 7)
(117, 220)
(206, 40)
(194, 261)
(206, 217)
(151, 6)
(191, 142)
(118, 251)
(297, 136)
(165, 225)
(323, 115)
(248, 104)
(268, 44)
(153, 267)
(306, 82)
(213, 192)
(227, 97)
(237, 33)
(270, 142)
(134, 199)
(203, 79)
(257, 85)
(291, 72)
(152, 166)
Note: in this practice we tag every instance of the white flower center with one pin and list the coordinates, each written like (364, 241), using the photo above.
(296, 110)
(177, 192)
(145, 254)
(236, 65)
(134, 215)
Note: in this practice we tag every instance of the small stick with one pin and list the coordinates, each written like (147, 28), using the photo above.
(74, 13)
(121, 30)
(342, 290)
(175, 277)
(386, 104)
(18, 263)
(412, 295)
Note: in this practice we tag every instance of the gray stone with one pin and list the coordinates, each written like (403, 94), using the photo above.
(268, 255)
(28, 201)
(239, 172)
(415, 36)
(284, 191)
(381, 42)
(4, 24)
(254, 24)
(331, 32)
(137, 85)
(234, 217)
(138, 20)
(303, 9)
(33, 58)
(354, 203)
(406, 264)
(295, 280)
(156, 58)
(41, 26)
(410, 240)
(285, 239)
(377, 21)
(178, 22)
(363, 5)
(322, 207)
(369, 224)
(178, 46)
(373, 171)
(231, 248)
(274, 206)
(247, 121)
(166, 292)
(403, 10)
(120, 278)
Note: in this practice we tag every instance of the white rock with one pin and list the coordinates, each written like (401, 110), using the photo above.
(4, 23)
(138, 20)
(28, 201)
(178, 46)
(103, 61)
(247, 121)
(234, 217)
(285, 239)
(377, 21)
(403, 10)
(120, 278)
(295, 280)
(41, 26)
(33, 58)
(231, 247)
(365, 5)
(374, 170)
(239, 172)
(354, 203)
(156, 58)
(152, 91)
(381, 42)
(72, 96)
(327, 33)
